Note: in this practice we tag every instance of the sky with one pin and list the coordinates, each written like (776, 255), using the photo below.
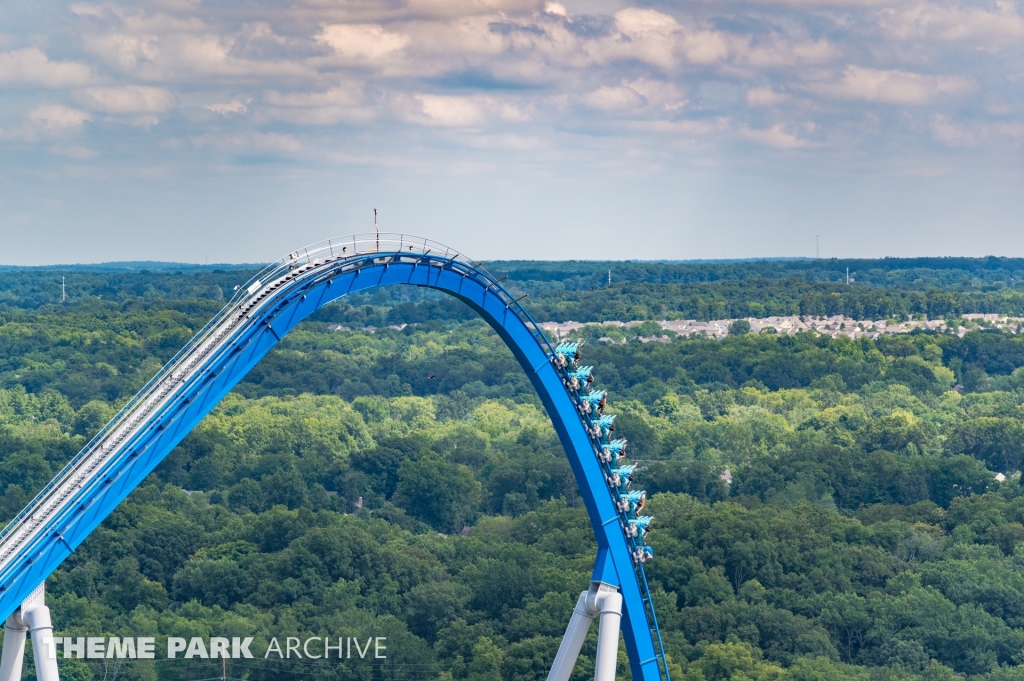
(227, 131)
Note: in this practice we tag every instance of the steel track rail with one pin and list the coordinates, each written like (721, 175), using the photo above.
(27, 544)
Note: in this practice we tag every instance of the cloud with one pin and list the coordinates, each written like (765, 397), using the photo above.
(436, 47)
(658, 93)
(651, 37)
(362, 41)
(127, 99)
(816, 4)
(929, 21)
(614, 98)
(894, 86)
(454, 8)
(765, 96)
(505, 142)
(337, 96)
(775, 136)
(705, 47)
(777, 52)
(56, 118)
(970, 134)
(503, 71)
(48, 120)
(319, 108)
(123, 50)
(448, 110)
(167, 48)
(31, 66)
(1013, 131)
(227, 108)
(950, 133)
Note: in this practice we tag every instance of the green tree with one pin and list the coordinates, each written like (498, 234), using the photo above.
(999, 442)
(740, 327)
(437, 492)
(485, 664)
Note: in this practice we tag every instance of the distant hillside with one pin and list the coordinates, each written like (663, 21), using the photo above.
(907, 273)
(131, 266)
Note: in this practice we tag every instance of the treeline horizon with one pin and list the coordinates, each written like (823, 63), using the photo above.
(890, 288)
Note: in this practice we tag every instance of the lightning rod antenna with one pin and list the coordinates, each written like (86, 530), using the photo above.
(377, 228)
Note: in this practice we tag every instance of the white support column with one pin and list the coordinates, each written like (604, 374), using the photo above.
(606, 601)
(44, 647)
(14, 648)
(572, 642)
(34, 616)
(610, 609)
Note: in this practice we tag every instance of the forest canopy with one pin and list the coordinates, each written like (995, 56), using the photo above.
(825, 508)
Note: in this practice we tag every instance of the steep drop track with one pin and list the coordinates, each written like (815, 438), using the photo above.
(128, 448)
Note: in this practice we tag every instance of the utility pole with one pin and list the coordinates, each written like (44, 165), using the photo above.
(609, 277)
(223, 669)
(847, 276)
(63, 291)
(376, 227)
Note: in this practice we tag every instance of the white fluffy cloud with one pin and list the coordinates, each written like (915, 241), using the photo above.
(127, 99)
(31, 66)
(457, 8)
(46, 122)
(56, 118)
(894, 86)
(448, 110)
(227, 108)
(765, 96)
(987, 28)
(362, 41)
(612, 98)
(776, 136)
(652, 36)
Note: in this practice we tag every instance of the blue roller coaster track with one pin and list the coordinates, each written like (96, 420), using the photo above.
(257, 317)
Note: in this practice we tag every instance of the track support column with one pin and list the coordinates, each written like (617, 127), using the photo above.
(34, 616)
(14, 648)
(601, 599)
(572, 642)
(609, 606)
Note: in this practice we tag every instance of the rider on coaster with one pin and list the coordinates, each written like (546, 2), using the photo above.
(643, 554)
(594, 402)
(606, 424)
(614, 451)
(633, 502)
(567, 352)
(622, 476)
(580, 377)
(640, 526)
